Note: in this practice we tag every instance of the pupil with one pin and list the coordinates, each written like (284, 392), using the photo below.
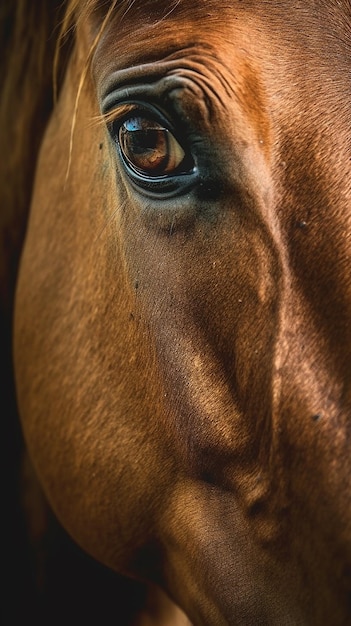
(145, 145)
(141, 141)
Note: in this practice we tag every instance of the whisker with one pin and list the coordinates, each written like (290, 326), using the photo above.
(110, 219)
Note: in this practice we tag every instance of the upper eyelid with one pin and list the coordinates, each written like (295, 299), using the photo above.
(120, 112)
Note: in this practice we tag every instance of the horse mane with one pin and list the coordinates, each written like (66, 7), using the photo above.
(29, 37)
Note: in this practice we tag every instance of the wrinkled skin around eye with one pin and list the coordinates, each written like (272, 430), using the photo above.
(149, 148)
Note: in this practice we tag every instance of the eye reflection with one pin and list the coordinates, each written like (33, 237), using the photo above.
(150, 148)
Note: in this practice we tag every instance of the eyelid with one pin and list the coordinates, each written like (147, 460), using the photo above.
(120, 113)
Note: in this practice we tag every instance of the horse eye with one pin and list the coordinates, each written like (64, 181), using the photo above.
(150, 149)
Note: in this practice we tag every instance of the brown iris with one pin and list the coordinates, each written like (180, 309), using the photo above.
(149, 148)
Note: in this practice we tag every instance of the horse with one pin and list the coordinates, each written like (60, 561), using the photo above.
(181, 318)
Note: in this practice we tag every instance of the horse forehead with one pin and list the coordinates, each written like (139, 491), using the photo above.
(142, 43)
(243, 43)
(146, 26)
